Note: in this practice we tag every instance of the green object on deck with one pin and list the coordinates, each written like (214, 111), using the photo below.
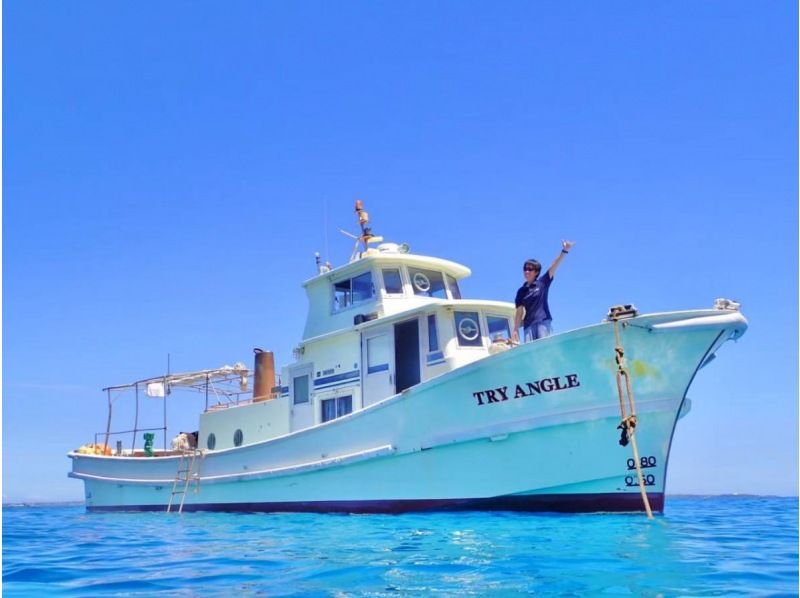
(148, 444)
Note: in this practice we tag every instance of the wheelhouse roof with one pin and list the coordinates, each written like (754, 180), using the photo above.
(378, 258)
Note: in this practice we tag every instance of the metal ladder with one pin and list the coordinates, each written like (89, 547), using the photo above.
(185, 474)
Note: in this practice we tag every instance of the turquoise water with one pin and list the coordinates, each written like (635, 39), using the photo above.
(713, 546)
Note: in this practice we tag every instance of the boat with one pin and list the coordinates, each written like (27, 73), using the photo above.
(405, 396)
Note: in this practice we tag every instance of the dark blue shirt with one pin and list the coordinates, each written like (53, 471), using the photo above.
(534, 299)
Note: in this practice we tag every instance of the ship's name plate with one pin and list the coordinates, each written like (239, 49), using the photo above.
(526, 389)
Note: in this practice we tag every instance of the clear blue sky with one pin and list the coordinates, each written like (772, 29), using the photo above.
(167, 167)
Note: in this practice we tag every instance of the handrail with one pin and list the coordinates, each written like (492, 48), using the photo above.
(218, 381)
(133, 432)
(189, 380)
(372, 453)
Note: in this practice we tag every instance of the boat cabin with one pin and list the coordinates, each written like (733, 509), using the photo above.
(376, 326)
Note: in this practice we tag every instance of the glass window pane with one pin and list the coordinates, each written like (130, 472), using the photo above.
(377, 353)
(341, 295)
(467, 329)
(433, 335)
(300, 389)
(344, 405)
(427, 283)
(328, 410)
(498, 327)
(452, 284)
(392, 281)
(362, 287)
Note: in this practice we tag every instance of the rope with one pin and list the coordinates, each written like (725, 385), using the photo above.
(628, 423)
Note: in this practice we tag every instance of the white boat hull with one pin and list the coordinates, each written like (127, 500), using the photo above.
(533, 428)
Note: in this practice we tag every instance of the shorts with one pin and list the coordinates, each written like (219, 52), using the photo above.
(538, 330)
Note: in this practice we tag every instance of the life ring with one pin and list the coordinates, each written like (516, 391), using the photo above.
(421, 282)
(468, 328)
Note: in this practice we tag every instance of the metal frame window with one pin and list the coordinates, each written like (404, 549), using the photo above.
(427, 283)
(378, 354)
(352, 291)
(498, 325)
(392, 281)
(300, 386)
(468, 328)
(452, 286)
(433, 335)
(335, 407)
(435, 355)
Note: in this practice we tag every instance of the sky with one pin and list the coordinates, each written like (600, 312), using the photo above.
(170, 169)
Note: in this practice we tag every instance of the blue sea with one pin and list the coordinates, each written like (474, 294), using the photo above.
(700, 546)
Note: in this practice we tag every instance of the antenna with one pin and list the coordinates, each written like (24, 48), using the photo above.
(325, 224)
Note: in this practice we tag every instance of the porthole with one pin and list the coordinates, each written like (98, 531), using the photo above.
(211, 442)
(238, 438)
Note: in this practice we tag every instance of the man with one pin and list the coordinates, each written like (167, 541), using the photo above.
(531, 301)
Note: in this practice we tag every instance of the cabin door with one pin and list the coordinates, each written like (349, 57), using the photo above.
(406, 354)
(377, 357)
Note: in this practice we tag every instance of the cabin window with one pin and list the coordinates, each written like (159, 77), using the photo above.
(435, 356)
(362, 288)
(498, 327)
(342, 295)
(238, 438)
(433, 336)
(378, 354)
(392, 281)
(336, 407)
(300, 384)
(452, 284)
(427, 283)
(467, 329)
(352, 291)
(211, 441)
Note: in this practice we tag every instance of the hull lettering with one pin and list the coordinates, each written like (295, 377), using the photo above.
(526, 389)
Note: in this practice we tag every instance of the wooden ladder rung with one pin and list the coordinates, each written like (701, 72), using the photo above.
(183, 481)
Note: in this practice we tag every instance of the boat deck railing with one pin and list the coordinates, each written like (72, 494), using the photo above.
(116, 444)
(227, 385)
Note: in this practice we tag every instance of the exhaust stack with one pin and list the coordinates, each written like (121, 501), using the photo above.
(264, 376)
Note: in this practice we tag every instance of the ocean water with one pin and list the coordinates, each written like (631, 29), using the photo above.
(700, 546)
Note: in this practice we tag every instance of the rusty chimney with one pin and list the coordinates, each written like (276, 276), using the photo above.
(264, 376)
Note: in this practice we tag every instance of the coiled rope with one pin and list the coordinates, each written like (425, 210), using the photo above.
(628, 423)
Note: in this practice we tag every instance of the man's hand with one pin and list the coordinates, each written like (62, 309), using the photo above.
(565, 247)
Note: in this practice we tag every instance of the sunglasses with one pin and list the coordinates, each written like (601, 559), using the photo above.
(528, 270)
